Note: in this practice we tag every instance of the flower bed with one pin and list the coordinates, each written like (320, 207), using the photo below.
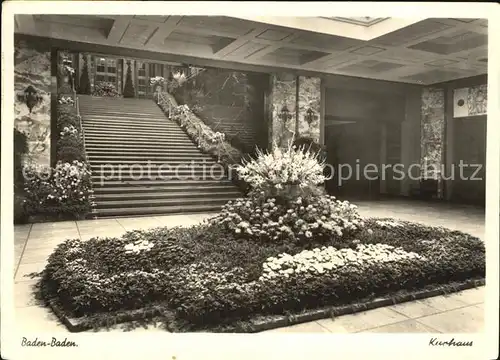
(207, 275)
(66, 189)
(271, 253)
(105, 89)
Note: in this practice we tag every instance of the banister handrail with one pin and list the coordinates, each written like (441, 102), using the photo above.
(80, 121)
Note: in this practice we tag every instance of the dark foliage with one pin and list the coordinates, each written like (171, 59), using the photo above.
(20, 149)
(128, 90)
(84, 87)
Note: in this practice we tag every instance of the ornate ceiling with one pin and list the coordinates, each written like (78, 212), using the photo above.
(412, 51)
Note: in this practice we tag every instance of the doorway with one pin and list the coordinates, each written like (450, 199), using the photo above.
(353, 148)
(470, 149)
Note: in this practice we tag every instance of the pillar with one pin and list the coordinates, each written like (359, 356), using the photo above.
(432, 133)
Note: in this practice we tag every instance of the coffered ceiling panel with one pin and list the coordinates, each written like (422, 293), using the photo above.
(412, 32)
(103, 25)
(212, 41)
(160, 19)
(464, 20)
(441, 62)
(218, 23)
(246, 50)
(137, 34)
(368, 50)
(456, 42)
(293, 56)
(405, 55)
(431, 76)
(274, 35)
(422, 52)
(370, 66)
(326, 42)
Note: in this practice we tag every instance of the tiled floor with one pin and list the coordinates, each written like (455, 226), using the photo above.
(460, 312)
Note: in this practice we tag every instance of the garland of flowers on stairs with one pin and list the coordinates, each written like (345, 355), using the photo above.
(209, 141)
(64, 191)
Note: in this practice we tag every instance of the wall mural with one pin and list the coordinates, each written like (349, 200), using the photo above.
(432, 132)
(309, 107)
(283, 124)
(471, 101)
(32, 82)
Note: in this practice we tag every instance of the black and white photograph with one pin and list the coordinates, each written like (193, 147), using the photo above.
(254, 174)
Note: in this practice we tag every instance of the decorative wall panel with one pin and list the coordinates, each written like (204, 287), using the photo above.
(470, 101)
(309, 107)
(432, 132)
(283, 89)
(32, 84)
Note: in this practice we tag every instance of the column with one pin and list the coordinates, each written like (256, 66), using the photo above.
(432, 134)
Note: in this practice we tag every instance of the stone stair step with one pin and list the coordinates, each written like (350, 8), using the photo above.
(165, 124)
(101, 156)
(164, 183)
(93, 143)
(160, 210)
(112, 128)
(128, 117)
(139, 139)
(126, 132)
(106, 204)
(159, 149)
(115, 159)
(180, 176)
(180, 188)
(147, 196)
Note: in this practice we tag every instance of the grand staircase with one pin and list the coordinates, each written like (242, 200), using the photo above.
(156, 157)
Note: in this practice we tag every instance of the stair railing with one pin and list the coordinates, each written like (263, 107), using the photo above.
(82, 134)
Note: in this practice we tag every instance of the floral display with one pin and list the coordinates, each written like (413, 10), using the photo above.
(65, 189)
(291, 166)
(157, 81)
(105, 89)
(68, 100)
(69, 131)
(209, 141)
(321, 218)
(329, 259)
(204, 276)
(180, 77)
(137, 246)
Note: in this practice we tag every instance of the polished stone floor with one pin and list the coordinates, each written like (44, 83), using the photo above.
(460, 312)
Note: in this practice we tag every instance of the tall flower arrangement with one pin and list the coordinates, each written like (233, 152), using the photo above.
(283, 171)
(286, 202)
